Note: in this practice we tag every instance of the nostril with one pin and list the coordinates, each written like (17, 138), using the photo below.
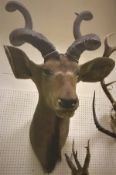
(67, 103)
(74, 102)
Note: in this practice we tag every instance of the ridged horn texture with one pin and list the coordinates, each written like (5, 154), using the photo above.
(26, 34)
(87, 42)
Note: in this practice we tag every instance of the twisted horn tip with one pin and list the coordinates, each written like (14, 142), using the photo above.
(11, 6)
(85, 15)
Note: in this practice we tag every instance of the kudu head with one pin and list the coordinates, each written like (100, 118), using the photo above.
(56, 79)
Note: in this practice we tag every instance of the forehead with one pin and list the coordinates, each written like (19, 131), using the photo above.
(63, 64)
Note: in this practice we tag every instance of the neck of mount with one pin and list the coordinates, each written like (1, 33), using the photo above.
(43, 109)
(47, 118)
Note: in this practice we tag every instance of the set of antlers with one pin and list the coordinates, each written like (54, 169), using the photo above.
(108, 50)
(77, 168)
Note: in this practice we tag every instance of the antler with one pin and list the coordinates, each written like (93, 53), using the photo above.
(99, 127)
(26, 34)
(78, 169)
(108, 49)
(82, 43)
(107, 52)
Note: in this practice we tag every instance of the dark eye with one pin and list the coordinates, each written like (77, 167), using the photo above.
(47, 72)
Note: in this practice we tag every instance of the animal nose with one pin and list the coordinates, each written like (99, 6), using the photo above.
(68, 103)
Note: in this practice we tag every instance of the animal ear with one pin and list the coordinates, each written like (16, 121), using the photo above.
(96, 70)
(19, 62)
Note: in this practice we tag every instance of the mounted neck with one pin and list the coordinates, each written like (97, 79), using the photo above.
(48, 134)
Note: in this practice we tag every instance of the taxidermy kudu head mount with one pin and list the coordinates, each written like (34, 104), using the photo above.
(55, 80)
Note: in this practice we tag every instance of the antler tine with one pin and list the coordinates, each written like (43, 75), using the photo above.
(26, 34)
(87, 158)
(108, 94)
(100, 128)
(75, 157)
(70, 163)
(108, 84)
(108, 49)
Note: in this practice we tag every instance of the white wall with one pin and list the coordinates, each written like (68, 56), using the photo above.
(55, 19)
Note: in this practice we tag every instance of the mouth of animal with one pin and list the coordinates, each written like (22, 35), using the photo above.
(65, 113)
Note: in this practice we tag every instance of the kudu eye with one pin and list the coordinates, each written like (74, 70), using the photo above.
(68, 103)
(46, 72)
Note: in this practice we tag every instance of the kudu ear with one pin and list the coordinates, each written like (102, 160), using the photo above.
(96, 70)
(19, 62)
